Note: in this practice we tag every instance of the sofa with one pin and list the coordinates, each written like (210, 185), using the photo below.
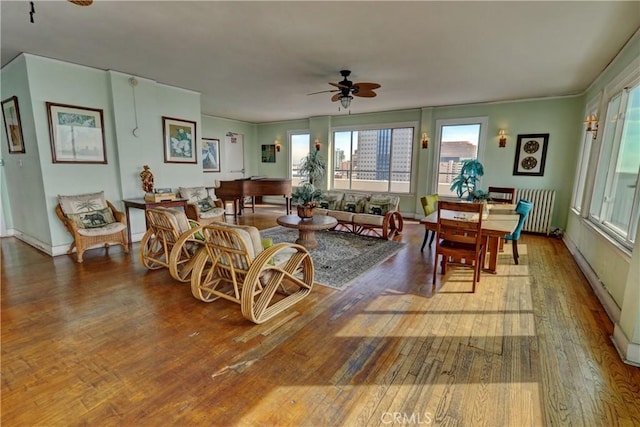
(363, 213)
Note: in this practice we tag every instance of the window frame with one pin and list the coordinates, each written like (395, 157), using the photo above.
(580, 197)
(290, 135)
(483, 121)
(376, 126)
(628, 78)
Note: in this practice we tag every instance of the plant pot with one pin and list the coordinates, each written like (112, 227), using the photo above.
(305, 211)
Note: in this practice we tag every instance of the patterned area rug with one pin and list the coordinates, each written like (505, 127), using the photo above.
(340, 257)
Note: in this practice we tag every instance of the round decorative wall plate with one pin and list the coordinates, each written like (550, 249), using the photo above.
(531, 146)
(529, 163)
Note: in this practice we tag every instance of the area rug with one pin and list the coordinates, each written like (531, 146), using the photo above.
(340, 257)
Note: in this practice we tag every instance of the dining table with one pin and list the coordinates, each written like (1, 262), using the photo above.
(500, 220)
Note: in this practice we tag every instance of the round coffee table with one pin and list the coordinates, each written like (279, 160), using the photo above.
(307, 227)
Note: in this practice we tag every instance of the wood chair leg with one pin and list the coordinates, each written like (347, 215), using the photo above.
(424, 241)
(515, 252)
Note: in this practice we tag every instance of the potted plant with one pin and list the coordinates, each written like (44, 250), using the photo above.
(466, 181)
(305, 197)
(312, 167)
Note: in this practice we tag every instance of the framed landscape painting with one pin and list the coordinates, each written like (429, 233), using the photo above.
(76, 133)
(531, 154)
(210, 155)
(12, 125)
(179, 140)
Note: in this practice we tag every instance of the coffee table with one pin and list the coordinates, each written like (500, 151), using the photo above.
(307, 227)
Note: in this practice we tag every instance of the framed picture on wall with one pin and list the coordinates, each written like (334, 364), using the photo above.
(179, 140)
(76, 133)
(210, 155)
(269, 153)
(531, 154)
(12, 125)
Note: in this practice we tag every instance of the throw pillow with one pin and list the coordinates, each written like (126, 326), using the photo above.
(331, 201)
(193, 194)
(206, 204)
(377, 208)
(267, 242)
(82, 203)
(354, 202)
(93, 219)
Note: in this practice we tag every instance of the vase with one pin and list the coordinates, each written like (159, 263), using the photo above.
(305, 211)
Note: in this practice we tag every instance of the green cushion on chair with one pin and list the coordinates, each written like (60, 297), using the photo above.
(429, 204)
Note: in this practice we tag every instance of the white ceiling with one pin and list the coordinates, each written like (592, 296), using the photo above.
(257, 61)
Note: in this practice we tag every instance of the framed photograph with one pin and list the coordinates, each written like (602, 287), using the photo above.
(77, 134)
(269, 153)
(179, 140)
(210, 155)
(12, 125)
(531, 154)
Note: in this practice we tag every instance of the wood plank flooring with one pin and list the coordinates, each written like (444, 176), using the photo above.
(108, 343)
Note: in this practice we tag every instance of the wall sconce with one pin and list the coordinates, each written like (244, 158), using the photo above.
(317, 144)
(278, 146)
(502, 142)
(592, 125)
(425, 140)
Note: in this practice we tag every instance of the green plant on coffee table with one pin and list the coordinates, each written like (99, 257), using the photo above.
(467, 179)
(306, 194)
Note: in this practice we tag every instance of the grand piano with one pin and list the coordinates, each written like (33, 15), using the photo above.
(238, 189)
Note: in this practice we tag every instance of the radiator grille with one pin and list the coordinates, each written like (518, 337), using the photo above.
(539, 219)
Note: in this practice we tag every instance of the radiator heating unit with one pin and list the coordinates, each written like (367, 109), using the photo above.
(539, 219)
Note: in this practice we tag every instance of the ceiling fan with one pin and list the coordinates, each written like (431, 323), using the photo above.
(346, 90)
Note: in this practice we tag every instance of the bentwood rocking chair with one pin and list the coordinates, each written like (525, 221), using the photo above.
(234, 266)
(171, 241)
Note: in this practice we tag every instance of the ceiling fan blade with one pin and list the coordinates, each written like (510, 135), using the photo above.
(324, 91)
(336, 97)
(339, 85)
(367, 86)
(365, 93)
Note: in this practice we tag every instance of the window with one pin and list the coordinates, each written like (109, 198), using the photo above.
(583, 161)
(615, 199)
(373, 159)
(299, 143)
(458, 140)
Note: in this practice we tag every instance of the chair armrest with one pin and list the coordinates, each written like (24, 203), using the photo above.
(118, 215)
(392, 224)
(193, 211)
(218, 203)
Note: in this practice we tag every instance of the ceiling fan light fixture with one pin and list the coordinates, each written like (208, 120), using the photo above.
(345, 100)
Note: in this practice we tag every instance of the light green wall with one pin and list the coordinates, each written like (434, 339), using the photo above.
(617, 271)
(560, 117)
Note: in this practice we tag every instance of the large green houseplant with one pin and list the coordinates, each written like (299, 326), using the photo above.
(312, 168)
(465, 183)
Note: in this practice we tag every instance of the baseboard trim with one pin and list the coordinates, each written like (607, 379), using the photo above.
(628, 351)
(605, 298)
(41, 246)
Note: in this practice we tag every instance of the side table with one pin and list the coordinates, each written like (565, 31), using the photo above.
(145, 206)
(307, 227)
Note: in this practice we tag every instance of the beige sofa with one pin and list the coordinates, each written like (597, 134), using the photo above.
(363, 213)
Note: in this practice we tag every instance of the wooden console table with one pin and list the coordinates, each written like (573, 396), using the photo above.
(145, 206)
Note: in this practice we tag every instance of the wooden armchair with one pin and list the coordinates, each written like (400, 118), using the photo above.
(459, 236)
(171, 241)
(91, 220)
(201, 207)
(234, 266)
(502, 194)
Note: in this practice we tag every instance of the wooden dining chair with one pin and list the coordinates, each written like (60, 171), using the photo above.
(459, 237)
(429, 206)
(502, 194)
(523, 209)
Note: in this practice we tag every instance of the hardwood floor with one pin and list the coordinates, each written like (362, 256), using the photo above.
(107, 342)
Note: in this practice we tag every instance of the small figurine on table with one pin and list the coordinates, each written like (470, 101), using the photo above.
(147, 179)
